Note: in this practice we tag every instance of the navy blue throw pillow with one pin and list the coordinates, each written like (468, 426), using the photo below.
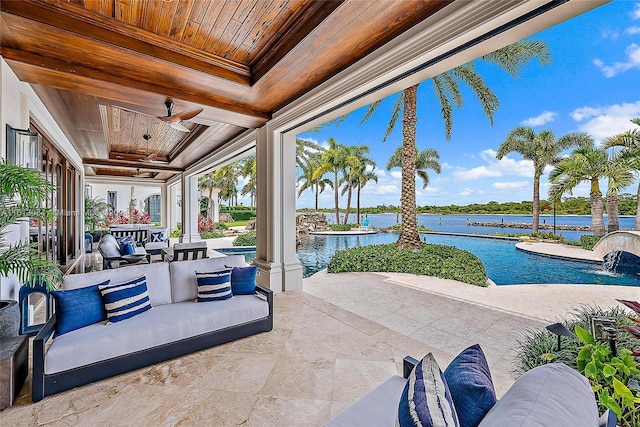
(127, 246)
(77, 308)
(426, 400)
(471, 386)
(124, 300)
(243, 280)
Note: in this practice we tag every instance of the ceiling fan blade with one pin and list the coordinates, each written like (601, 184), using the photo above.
(187, 114)
(150, 157)
(178, 126)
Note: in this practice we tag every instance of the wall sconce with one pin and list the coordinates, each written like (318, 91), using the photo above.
(24, 148)
(88, 191)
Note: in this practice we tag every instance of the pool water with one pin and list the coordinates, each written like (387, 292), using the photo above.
(505, 265)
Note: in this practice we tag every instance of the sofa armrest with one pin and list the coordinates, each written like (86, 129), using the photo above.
(268, 293)
(608, 419)
(37, 379)
(408, 364)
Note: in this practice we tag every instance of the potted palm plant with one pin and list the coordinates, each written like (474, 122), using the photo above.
(22, 192)
(95, 210)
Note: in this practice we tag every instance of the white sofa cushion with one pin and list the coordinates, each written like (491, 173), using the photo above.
(184, 286)
(157, 275)
(160, 325)
(549, 395)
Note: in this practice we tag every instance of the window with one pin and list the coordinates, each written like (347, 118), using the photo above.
(152, 206)
(112, 197)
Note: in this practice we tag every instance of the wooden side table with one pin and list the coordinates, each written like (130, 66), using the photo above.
(14, 367)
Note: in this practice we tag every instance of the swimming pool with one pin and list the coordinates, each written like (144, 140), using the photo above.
(505, 265)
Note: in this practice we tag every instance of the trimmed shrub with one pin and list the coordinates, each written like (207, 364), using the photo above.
(445, 262)
(246, 239)
(586, 242)
(221, 226)
(398, 227)
(211, 235)
(242, 214)
(342, 227)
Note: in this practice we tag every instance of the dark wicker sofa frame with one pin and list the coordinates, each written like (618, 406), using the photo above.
(46, 384)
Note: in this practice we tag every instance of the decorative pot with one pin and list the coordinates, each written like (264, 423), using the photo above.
(9, 318)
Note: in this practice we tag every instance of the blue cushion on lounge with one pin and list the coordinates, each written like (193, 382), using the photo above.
(243, 280)
(127, 246)
(125, 300)
(214, 285)
(77, 308)
(426, 400)
(471, 386)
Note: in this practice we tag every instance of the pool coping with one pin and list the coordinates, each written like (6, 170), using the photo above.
(574, 258)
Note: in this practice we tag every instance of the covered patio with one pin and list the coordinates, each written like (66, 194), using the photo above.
(91, 77)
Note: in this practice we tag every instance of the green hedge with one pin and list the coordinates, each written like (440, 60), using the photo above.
(242, 215)
(247, 239)
(586, 242)
(445, 262)
(342, 227)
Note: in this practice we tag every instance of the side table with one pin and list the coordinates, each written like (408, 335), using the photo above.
(14, 367)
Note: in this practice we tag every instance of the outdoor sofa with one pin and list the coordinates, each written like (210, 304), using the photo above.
(174, 325)
(551, 395)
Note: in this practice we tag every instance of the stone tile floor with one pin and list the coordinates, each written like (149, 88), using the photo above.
(330, 345)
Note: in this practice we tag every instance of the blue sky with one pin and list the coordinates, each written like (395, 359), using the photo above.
(591, 85)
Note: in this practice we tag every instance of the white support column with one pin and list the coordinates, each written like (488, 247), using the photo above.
(164, 204)
(172, 207)
(190, 209)
(275, 219)
(216, 205)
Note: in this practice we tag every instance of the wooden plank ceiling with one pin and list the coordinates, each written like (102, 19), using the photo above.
(105, 68)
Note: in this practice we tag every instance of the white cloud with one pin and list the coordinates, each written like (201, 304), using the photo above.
(511, 185)
(632, 30)
(382, 189)
(445, 166)
(633, 61)
(396, 174)
(635, 14)
(606, 121)
(380, 172)
(495, 168)
(610, 34)
(466, 192)
(540, 120)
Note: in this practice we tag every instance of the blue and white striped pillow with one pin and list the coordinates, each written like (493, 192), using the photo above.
(426, 400)
(125, 300)
(214, 285)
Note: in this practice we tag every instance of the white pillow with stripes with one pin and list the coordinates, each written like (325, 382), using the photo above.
(125, 300)
(214, 285)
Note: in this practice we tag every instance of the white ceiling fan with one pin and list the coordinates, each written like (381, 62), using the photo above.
(153, 157)
(139, 174)
(174, 119)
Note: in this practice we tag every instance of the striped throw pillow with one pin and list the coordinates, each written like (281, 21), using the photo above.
(124, 300)
(214, 285)
(426, 400)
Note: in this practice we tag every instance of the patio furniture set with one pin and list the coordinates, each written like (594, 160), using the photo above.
(126, 245)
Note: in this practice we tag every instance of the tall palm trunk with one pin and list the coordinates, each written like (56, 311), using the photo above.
(637, 223)
(210, 203)
(613, 218)
(536, 201)
(335, 196)
(597, 219)
(358, 204)
(317, 195)
(409, 236)
(346, 215)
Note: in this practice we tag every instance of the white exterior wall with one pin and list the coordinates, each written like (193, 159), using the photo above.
(18, 105)
(100, 187)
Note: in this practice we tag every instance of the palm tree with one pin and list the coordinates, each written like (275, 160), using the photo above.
(317, 184)
(362, 178)
(226, 179)
(207, 182)
(425, 159)
(630, 143)
(354, 162)
(447, 88)
(305, 148)
(248, 170)
(332, 161)
(542, 149)
(23, 258)
(588, 164)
